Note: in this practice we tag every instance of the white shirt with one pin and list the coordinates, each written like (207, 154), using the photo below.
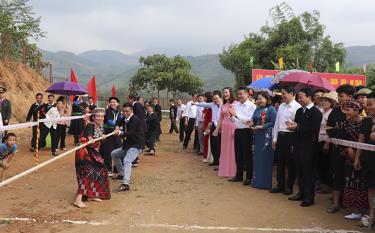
(244, 112)
(180, 111)
(215, 111)
(323, 124)
(286, 112)
(52, 113)
(191, 110)
(199, 117)
(1, 122)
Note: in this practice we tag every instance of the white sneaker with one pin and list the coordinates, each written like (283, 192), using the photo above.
(205, 161)
(353, 216)
(110, 174)
(365, 217)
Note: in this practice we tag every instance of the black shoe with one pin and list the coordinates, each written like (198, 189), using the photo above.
(123, 188)
(307, 203)
(247, 182)
(277, 190)
(296, 197)
(234, 179)
(118, 177)
(216, 169)
(32, 149)
(54, 154)
(213, 164)
(288, 192)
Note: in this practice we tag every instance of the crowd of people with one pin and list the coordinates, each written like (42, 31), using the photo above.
(134, 128)
(245, 136)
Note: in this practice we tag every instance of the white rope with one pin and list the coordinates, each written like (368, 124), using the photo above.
(31, 124)
(342, 142)
(25, 173)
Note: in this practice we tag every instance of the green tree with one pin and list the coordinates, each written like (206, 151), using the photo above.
(18, 24)
(299, 40)
(159, 72)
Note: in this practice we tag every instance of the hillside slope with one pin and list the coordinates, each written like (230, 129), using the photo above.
(22, 84)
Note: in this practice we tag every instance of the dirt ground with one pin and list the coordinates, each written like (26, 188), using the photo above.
(171, 192)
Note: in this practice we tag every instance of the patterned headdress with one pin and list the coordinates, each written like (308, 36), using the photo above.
(98, 111)
(352, 104)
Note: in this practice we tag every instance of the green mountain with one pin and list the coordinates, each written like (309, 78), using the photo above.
(116, 68)
(360, 55)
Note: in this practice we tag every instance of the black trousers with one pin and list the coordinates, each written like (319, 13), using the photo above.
(150, 139)
(304, 156)
(54, 139)
(182, 129)
(196, 139)
(338, 169)
(243, 141)
(173, 126)
(42, 134)
(44, 130)
(322, 164)
(284, 160)
(189, 131)
(61, 135)
(215, 143)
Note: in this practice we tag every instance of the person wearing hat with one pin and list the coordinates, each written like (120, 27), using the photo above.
(5, 107)
(355, 188)
(361, 96)
(327, 102)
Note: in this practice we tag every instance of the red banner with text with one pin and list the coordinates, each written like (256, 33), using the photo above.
(334, 78)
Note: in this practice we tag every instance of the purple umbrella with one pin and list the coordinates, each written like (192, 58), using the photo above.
(67, 88)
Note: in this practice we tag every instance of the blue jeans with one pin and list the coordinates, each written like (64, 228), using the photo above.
(127, 156)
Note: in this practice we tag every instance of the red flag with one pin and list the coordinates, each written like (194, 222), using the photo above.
(92, 88)
(73, 78)
(113, 90)
(310, 66)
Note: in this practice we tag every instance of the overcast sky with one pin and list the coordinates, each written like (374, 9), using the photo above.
(189, 27)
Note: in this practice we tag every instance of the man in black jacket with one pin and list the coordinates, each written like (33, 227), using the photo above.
(130, 128)
(5, 108)
(153, 125)
(173, 116)
(32, 115)
(157, 110)
(306, 128)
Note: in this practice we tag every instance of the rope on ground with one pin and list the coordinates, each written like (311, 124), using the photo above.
(25, 173)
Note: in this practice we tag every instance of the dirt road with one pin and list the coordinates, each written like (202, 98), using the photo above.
(171, 192)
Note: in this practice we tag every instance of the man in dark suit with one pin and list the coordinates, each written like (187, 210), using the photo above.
(5, 107)
(306, 128)
(32, 115)
(157, 109)
(91, 104)
(130, 129)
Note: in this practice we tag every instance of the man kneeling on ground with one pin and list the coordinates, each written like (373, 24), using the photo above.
(133, 141)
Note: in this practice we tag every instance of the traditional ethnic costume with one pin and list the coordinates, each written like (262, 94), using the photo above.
(92, 174)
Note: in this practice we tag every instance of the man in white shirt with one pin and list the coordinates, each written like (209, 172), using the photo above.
(190, 115)
(242, 113)
(198, 125)
(282, 142)
(215, 141)
(181, 118)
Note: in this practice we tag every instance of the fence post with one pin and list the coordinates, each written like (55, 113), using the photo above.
(37, 139)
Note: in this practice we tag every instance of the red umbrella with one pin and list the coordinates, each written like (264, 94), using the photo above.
(304, 79)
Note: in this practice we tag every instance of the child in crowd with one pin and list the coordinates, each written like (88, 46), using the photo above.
(7, 151)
